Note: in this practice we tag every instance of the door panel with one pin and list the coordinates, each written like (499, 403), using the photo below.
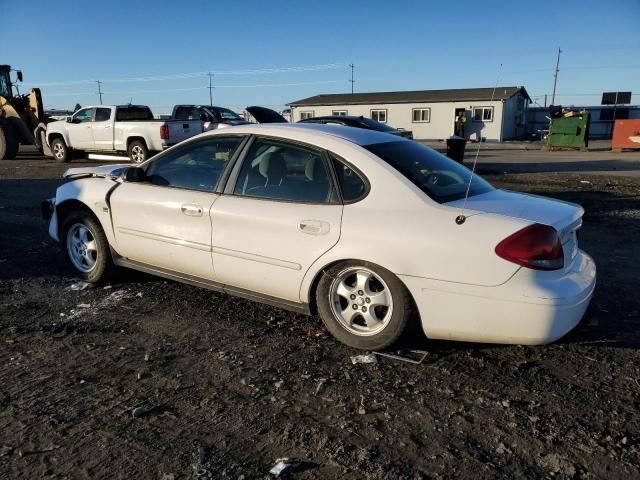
(267, 246)
(103, 129)
(80, 134)
(164, 227)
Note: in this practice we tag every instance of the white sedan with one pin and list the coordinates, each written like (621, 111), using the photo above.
(369, 230)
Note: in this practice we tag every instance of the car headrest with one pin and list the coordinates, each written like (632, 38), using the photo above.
(273, 166)
(314, 169)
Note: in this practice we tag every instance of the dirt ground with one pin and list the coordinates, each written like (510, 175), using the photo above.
(146, 378)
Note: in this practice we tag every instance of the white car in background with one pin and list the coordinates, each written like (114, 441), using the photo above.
(361, 226)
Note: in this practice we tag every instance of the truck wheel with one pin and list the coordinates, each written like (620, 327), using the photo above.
(363, 305)
(8, 141)
(138, 152)
(87, 247)
(60, 150)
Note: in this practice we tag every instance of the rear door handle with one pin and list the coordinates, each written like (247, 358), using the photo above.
(314, 227)
(192, 210)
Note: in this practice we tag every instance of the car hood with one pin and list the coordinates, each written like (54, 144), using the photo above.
(534, 208)
(100, 171)
(266, 115)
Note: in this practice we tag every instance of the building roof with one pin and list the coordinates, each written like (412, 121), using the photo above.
(414, 96)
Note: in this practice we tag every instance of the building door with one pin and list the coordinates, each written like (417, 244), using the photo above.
(457, 129)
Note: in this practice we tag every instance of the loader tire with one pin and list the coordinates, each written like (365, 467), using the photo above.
(8, 141)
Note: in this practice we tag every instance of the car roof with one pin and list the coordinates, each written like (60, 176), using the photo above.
(359, 136)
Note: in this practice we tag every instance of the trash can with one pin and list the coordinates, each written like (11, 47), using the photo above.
(455, 148)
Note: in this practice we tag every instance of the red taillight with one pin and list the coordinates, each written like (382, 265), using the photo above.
(536, 246)
(164, 132)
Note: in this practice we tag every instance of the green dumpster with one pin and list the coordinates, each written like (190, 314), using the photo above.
(571, 130)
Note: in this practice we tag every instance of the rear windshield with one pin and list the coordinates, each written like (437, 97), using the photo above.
(132, 114)
(372, 124)
(438, 176)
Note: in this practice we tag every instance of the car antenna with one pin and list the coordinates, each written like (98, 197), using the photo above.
(460, 219)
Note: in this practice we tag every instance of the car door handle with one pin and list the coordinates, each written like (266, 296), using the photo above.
(313, 227)
(192, 210)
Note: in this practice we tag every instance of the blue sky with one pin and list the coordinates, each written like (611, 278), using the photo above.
(62, 46)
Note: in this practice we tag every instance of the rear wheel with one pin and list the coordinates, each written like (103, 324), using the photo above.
(138, 152)
(363, 305)
(86, 247)
(8, 141)
(60, 150)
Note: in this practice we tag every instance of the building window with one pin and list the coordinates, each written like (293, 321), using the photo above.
(307, 114)
(483, 114)
(421, 115)
(379, 115)
(339, 113)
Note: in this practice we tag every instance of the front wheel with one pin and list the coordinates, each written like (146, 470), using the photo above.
(363, 305)
(87, 247)
(60, 150)
(138, 152)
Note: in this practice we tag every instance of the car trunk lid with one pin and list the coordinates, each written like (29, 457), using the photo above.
(565, 217)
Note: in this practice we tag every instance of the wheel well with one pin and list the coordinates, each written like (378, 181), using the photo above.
(53, 136)
(69, 206)
(130, 140)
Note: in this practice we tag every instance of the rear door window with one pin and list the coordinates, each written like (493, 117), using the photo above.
(284, 171)
(102, 114)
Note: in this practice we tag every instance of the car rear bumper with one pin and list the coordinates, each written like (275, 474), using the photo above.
(532, 308)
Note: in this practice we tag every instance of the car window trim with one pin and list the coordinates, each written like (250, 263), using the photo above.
(216, 189)
(233, 177)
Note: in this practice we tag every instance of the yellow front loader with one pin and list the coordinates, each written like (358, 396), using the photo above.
(22, 119)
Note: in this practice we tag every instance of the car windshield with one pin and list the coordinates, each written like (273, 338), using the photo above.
(372, 124)
(226, 114)
(441, 178)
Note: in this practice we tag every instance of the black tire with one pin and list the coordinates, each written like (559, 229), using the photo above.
(9, 144)
(392, 328)
(138, 151)
(103, 266)
(60, 150)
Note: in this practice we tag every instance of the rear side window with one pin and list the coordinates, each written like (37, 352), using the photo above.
(282, 171)
(195, 166)
(352, 185)
(102, 114)
(133, 113)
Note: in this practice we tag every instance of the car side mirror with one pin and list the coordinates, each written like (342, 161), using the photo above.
(19, 73)
(204, 117)
(135, 175)
(69, 119)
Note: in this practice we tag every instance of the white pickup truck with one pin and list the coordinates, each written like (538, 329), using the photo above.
(112, 129)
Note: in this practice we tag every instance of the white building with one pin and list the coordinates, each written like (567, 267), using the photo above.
(493, 115)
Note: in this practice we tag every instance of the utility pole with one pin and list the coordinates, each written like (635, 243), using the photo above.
(555, 78)
(352, 81)
(99, 90)
(210, 88)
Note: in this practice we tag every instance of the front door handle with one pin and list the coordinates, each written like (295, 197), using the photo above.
(313, 227)
(192, 210)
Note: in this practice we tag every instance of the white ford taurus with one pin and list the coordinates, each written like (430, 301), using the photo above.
(365, 228)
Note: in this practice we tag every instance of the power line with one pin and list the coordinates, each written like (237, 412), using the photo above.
(179, 76)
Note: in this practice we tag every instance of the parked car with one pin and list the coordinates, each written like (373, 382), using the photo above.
(212, 117)
(266, 115)
(129, 129)
(370, 231)
(360, 122)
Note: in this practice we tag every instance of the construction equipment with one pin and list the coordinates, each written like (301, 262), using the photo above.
(22, 118)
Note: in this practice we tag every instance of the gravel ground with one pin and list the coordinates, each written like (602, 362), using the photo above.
(146, 378)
